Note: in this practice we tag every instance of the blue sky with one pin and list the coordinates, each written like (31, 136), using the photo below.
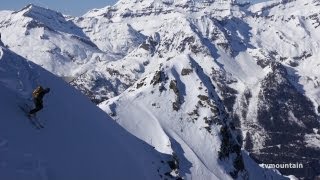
(72, 7)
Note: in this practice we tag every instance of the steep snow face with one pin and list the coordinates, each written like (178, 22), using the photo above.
(48, 39)
(79, 141)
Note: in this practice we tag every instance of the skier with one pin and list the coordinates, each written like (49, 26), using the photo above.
(37, 95)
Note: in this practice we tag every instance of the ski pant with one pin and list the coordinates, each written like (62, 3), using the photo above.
(38, 106)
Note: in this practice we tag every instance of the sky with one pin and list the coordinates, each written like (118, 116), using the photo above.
(69, 7)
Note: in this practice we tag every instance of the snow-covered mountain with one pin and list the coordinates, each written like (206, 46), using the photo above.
(203, 79)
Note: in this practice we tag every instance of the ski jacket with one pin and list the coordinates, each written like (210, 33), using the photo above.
(39, 92)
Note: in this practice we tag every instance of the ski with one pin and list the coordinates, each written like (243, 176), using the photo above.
(32, 119)
(36, 122)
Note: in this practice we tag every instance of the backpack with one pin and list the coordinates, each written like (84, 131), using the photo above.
(37, 92)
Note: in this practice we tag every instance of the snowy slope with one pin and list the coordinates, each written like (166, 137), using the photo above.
(79, 141)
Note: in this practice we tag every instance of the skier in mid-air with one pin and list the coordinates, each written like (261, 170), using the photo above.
(37, 95)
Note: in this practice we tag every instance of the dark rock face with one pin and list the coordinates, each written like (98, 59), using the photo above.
(228, 94)
(287, 115)
(149, 45)
(186, 71)
(277, 98)
(157, 78)
(248, 142)
(176, 104)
